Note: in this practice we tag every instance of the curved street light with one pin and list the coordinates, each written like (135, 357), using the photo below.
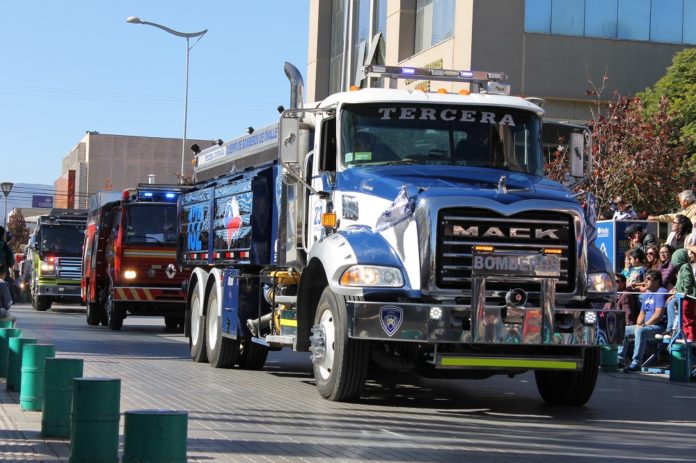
(187, 36)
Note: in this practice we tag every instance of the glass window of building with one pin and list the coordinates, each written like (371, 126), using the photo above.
(434, 22)
(634, 20)
(601, 18)
(689, 28)
(666, 21)
(336, 55)
(537, 16)
(568, 17)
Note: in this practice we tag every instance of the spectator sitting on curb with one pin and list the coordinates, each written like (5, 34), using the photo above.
(5, 296)
(687, 201)
(651, 320)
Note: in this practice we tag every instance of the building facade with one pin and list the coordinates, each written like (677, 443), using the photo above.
(557, 50)
(101, 162)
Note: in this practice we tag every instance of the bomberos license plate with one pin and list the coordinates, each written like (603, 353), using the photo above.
(498, 264)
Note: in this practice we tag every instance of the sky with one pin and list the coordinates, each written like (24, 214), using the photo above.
(68, 67)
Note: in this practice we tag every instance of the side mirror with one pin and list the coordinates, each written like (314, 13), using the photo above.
(577, 154)
(289, 140)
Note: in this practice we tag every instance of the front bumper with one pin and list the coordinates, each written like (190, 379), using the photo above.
(59, 290)
(452, 324)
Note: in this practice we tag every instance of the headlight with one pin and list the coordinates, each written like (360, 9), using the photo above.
(600, 283)
(129, 274)
(47, 267)
(373, 276)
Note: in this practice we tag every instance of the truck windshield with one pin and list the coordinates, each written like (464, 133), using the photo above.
(63, 239)
(150, 224)
(479, 136)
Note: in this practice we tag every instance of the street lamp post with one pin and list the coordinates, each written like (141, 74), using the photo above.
(6, 188)
(187, 36)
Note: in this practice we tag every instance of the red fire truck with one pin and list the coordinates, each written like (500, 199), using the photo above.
(129, 256)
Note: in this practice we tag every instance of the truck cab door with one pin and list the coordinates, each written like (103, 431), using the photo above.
(320, 170)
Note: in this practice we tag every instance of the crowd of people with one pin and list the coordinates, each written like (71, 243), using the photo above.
(654, 274)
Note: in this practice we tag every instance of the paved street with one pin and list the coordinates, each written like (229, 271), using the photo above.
(276, 414)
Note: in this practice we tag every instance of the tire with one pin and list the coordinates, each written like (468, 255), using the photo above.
(570, 388)
(221, 352)
(114, 313)
(92, 314)
(252, 356)
(196, 321)
(43, 303)
(341, 373)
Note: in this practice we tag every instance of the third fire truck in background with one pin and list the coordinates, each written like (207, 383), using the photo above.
(55, 247)
(128, 258)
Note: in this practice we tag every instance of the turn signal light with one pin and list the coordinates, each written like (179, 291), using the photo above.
(553, 251)
(482, 248)
(328, 219)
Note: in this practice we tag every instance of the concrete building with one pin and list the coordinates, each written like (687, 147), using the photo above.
(101, 162)
(550, 49)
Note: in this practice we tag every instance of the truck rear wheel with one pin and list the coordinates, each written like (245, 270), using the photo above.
(196, 319)
(570, 388)
(252, 356)
(115, 313)
(222, 352)
(340, 363)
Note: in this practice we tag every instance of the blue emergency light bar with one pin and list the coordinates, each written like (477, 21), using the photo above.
(167, 196)
(450, 75)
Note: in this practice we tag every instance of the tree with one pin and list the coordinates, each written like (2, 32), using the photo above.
(18, 227)
(632, 155)
(678, 86)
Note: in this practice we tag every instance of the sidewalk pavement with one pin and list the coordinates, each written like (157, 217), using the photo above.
(20, 438)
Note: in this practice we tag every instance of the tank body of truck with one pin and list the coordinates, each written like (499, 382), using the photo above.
(56, 246)
(408, 230)
(129, 260)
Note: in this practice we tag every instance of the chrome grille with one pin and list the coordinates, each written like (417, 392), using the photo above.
(69, 268)
(461, 229)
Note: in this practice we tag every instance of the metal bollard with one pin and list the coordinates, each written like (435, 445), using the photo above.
(5, 335)
(33, 364)
(94, 421)
(678, 368)
(58, 390)
(155, 436)
(14, 362)
(6, 323)
(609, 358)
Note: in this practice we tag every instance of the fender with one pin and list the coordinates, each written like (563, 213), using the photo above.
(214, 283)
(355, 245)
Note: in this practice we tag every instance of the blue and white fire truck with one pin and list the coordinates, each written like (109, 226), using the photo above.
(401, 230)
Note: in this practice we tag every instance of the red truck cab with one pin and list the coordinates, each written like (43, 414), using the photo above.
(129, 258)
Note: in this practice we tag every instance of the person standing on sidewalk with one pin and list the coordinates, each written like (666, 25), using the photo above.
(5, 296)
(651, 320)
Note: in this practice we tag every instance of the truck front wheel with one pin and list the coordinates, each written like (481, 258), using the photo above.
(115, 313)
(570, 388)
(340, 363)
(42, 303)
(222, 352)
(93, 311)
